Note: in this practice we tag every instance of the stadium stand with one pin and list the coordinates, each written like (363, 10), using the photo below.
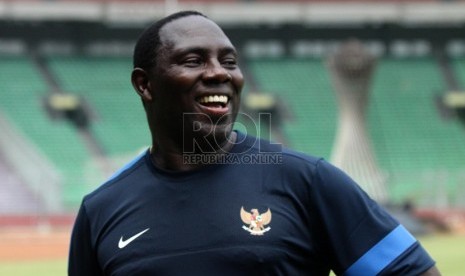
(119, 123)
(402, 103)
(410, 139)
(305, 86)
(21, 101)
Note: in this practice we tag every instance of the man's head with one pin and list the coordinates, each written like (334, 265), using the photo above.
(187, 75)
(148, 44)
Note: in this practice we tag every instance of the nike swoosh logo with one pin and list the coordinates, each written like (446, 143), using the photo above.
(123, 243)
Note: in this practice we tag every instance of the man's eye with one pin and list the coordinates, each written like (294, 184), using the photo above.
(229, 62)
(192, 61)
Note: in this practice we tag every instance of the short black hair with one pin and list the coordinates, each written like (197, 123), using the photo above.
(146, 49)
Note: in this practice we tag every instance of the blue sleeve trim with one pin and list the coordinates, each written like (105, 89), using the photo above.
(383, 253)
(127, 166)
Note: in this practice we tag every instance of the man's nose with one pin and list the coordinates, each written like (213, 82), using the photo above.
(215, 72)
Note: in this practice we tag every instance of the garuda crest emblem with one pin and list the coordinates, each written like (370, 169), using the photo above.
(256, 222)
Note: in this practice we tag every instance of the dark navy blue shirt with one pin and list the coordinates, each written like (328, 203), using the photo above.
(262, 211)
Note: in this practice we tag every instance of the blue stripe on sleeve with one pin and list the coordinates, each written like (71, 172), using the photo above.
(383, 253)
(127, 166)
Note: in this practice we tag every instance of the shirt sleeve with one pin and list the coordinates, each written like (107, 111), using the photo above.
(82, 256)
(362, 237)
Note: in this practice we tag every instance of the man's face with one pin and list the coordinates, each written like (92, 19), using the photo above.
(196, 83)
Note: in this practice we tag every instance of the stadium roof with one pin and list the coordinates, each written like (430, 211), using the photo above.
(234, 12)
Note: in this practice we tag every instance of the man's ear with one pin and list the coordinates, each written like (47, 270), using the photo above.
(141, 83)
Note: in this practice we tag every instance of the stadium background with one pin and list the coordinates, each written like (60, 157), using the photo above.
(69, 117)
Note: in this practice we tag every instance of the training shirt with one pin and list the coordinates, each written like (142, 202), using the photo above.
(264, 210)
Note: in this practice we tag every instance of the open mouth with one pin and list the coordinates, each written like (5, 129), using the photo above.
(214, 105)
(214, 101)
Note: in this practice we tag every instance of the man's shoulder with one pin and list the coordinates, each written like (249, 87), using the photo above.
(289, 159)
(119, 180)
(249, 143)
(294, 156)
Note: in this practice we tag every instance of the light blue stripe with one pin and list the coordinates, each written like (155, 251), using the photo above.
(127, 166)
(383, 253)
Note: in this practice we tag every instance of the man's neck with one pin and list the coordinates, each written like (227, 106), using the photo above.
(172, 158)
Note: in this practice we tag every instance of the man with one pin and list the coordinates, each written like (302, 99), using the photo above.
(170, 213)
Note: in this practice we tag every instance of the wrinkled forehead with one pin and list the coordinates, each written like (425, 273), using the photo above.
(192, 30)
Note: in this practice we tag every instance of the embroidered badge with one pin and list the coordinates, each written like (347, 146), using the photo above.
(256, 222)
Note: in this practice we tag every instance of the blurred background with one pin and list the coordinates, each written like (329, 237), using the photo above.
(376, 87)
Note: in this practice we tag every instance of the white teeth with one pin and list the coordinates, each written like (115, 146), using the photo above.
(214, 99)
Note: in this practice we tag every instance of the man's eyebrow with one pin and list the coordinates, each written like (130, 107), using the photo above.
(228, 50)
(203, 51)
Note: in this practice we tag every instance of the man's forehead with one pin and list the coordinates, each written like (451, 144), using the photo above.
(191, 28)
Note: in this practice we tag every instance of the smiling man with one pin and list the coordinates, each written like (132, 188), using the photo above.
(160, 215)
(191, 90)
